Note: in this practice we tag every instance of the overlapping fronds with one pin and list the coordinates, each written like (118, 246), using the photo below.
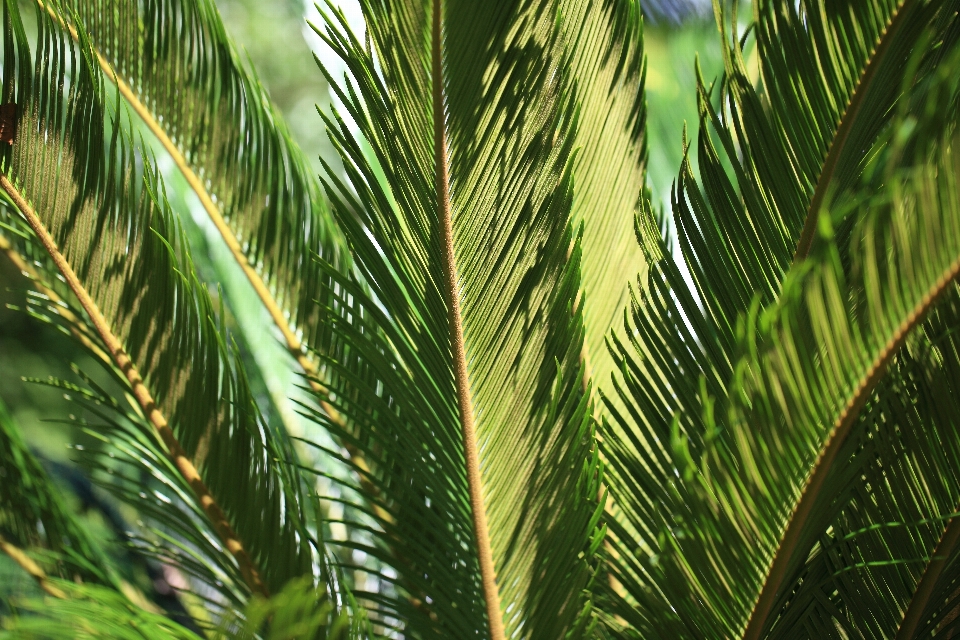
(461, 367)
(763, 166)
(97, 208)
(746, 511)
(892, 497)
(890, 492)
(180, 72)
(32, 513)
(768, 159)
(831, 73)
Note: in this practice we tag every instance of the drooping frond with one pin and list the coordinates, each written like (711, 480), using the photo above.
(97, 208)
(461, 367)
(761, 158)
(890, 492)
(178, 69)
(890, 500)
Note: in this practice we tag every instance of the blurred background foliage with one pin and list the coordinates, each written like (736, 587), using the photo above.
(279, 45)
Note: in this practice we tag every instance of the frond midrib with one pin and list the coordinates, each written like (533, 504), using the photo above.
(78, 329)
(143, 395)
(454, 315)
(810, 494)
(931, 574)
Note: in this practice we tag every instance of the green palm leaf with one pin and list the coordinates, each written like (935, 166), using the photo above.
(467, 350)
(797, 397)
(98, 209)
(738, 233)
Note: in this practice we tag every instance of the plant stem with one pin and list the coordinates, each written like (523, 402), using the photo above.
(918, 604)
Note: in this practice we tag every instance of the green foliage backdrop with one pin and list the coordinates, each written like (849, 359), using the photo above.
(514, 319)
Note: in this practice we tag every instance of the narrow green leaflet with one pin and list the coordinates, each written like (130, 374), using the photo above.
(76, 176)
(461, 366)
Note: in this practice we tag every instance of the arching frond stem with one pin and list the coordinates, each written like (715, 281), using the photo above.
(847, 121)
(789, 544)
(77, 328)
(471, 458)
(141, 393)
(293, 344)
(27, 564)
(918, 604)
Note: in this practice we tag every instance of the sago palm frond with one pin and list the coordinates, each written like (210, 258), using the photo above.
(742, 513)
(178, 70)
(97, 207)
(720, 446)
(463, 367)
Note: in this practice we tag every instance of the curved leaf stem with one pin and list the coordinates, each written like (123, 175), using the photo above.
(945, 548)
(847, 120)
(477, 508)
(150, 409)
(77, 328)
(27, 564)
(293, 344)
(789, 543)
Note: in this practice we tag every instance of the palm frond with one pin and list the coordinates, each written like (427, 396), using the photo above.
(738, 512)
(180, 72)
(761, 166)
(177, 68)
(98, 209)
(890, 492)
(461, 366)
